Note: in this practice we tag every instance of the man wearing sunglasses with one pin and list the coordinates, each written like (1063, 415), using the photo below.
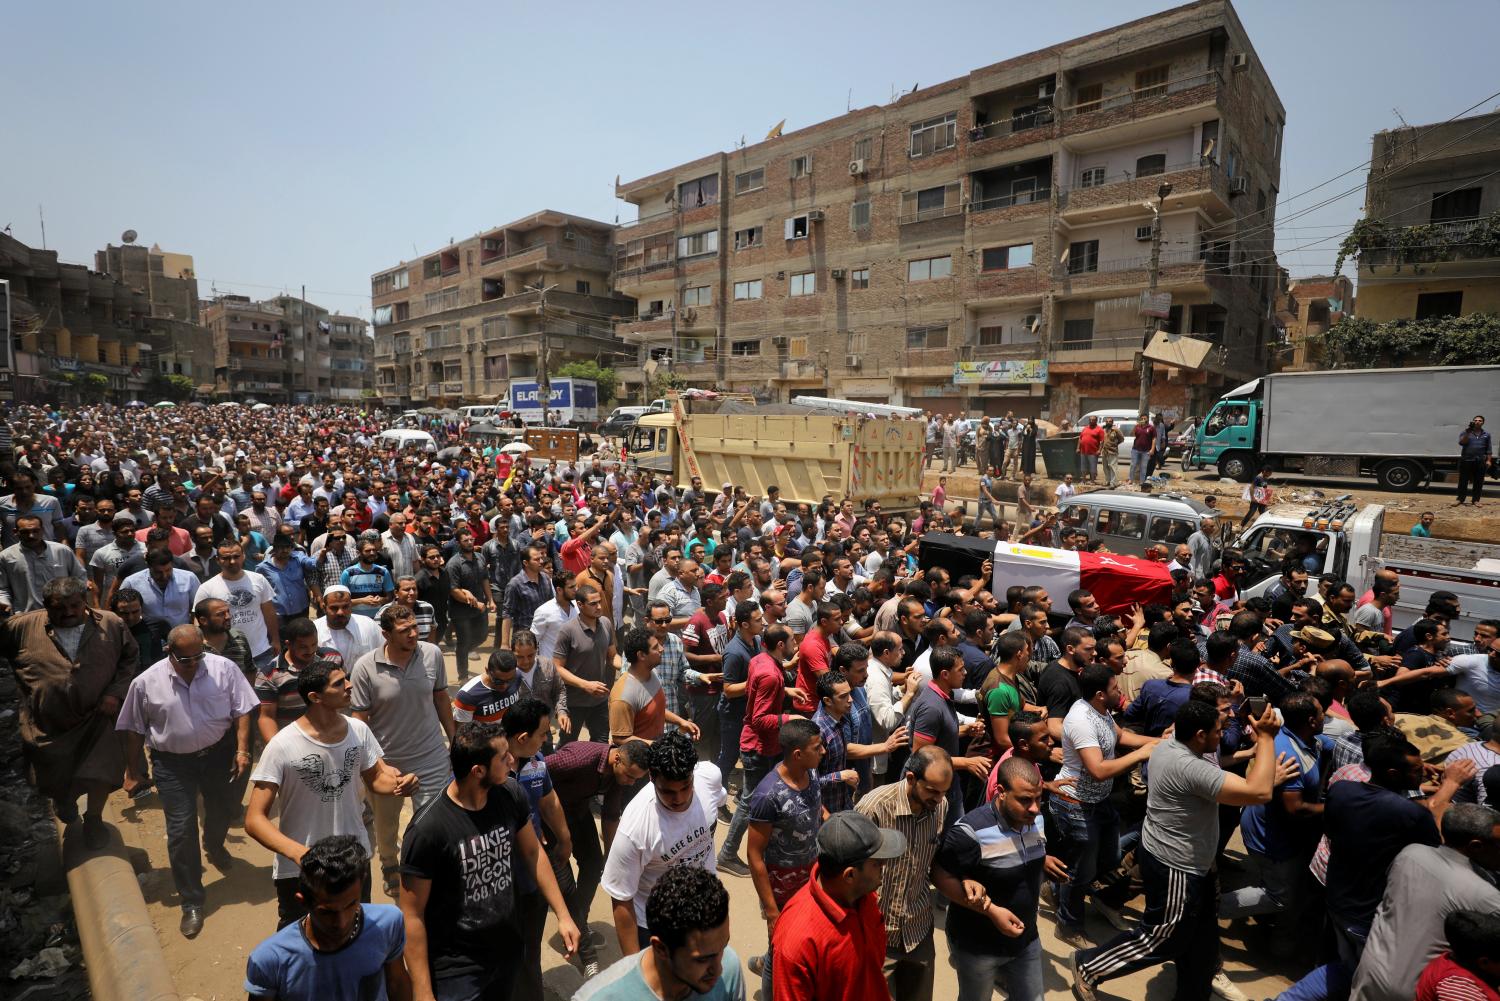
(192, 710)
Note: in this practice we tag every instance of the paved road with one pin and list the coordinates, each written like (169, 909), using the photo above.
(241, 910)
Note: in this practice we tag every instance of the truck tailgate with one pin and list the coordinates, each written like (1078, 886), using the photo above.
(1428, 565)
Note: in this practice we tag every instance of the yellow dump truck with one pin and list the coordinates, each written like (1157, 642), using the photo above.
(808, 453)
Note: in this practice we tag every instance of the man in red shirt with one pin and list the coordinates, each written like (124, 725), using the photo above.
(760, 742)
(1089, 440)
(829, 940)
(1142, 441)
(815, 653)
(1231, 569)
(578, 552)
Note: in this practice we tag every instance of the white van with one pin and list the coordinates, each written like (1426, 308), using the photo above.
(1124, 420)
(479, 413)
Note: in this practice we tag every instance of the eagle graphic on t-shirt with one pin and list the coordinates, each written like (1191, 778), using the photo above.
(313, 770)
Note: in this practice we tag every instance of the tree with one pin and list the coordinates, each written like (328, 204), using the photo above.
(662, 383)
(170, 387)
(606, 379)
(1472, 339)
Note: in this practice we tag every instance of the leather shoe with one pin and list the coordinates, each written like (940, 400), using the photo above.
(192, 921)
(220, 859)
(95, 832)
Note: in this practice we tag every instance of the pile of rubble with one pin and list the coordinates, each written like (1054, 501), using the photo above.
(39, 954)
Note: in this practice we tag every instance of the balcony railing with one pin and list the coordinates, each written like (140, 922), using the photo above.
(1165, 174)
(926, 215)
(1130, 99)
(1169, 258)
(1008, 201)
(1010, 126)
(1116, 342)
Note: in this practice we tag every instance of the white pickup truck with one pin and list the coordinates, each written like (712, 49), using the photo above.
(1347, 542)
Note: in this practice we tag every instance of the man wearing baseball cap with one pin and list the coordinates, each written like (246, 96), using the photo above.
(829, 941)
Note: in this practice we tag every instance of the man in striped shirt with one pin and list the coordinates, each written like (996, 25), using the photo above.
(485, 697)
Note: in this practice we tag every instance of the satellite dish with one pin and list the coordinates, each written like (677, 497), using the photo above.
(128, 236)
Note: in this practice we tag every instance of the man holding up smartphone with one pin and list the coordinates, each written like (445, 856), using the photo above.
(1475, 456)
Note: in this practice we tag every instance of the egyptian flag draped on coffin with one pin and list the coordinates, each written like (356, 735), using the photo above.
(1117, 582)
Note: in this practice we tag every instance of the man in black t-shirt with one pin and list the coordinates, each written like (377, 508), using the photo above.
(1057, 686)
(458, 878)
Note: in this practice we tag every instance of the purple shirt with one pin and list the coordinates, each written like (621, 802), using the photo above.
(181, 718)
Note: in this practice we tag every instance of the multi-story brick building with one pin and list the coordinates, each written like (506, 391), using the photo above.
(982, 244)
(287, 350)
(1436, 190)
(457, 325)
(168, 279)
(1305, 308)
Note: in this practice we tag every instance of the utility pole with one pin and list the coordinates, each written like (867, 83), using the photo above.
(543, 380)
(1153, 323)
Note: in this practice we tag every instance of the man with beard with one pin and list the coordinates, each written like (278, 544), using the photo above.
(73, 665)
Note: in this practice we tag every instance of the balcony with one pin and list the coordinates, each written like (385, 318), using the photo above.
(1130, 105)
(1447, 242)
(1196, 184)
(246, 363)
(930, 214)
(798, 371)
(643, 261)
(556, 256)
(1177, 268)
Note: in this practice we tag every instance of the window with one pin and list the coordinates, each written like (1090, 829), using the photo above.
(745, 349)
(1001, 334)
(432, 267)
(934, 134)
(1170, 530)
(492, 328)
(747, 290)
(1431, 305)
(921, 338)
(582, 287)
(1090, 97)
(1150, 166)
(382, 315)
(859, 278)
(1078, 333)
(929, 268)
(862, 148)
(801, 166)
(698, 295)
(1083, 257)
(403, 311)
(1260, 201)
(1121, 524)
(1091, 177)
(859, 215)
(1232, 162)
(803, 283)
(797, 347)
(698, 244)
(746, 238)
(702, 191)
(1006, 258)
(1462, 203)
(750, 180)
(930, 203)
(1151, 82)
(796, 227)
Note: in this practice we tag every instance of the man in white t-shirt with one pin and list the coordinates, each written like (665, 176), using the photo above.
(351, 635)
(1065, 490)
(551, 615)
(667, 824)
(251, 600)
(308, 771)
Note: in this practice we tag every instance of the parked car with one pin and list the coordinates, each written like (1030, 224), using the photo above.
(1130, 522)
(620, 421)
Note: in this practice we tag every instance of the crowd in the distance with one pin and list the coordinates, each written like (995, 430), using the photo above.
(244, 617)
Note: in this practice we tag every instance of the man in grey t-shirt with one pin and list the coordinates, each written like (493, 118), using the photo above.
(585, 660)
(1178, 843)
(401, 691)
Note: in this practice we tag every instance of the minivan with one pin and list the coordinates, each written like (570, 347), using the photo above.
(479, 413)
(1128, 523)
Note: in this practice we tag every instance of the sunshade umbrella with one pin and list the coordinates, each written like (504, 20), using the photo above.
(517, 448)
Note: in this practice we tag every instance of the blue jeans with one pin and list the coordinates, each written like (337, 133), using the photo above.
(1090, 836)
(756, 768)
(1138, 463)
(731, 720)
(980, 976)
(180, 780)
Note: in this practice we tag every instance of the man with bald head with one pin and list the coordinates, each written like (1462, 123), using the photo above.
(192, 710)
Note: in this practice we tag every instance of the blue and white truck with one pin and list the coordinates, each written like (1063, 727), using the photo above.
(572, 402)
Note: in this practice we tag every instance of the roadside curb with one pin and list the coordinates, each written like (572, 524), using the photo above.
(120, 948)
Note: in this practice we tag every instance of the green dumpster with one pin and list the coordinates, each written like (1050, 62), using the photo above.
(1059, 455)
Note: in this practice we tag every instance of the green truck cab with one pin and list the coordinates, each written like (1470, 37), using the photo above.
(1226, 439)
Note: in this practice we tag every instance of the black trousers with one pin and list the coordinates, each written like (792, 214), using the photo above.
(1471, 479)
(180, 780)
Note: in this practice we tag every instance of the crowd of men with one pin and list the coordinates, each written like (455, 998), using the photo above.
(246, 615)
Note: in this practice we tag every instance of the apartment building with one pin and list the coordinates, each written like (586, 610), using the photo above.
(287, 350)
(1305, 309)
(981, 245)
(167, 278)
(457, 325)
(1434, 193)
(80, 333)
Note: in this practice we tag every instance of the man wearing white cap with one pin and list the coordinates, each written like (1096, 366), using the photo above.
(351, 635)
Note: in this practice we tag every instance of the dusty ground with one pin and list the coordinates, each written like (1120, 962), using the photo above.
(241, 910)
(1467, 523)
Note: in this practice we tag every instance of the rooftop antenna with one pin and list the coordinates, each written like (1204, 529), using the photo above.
(849, 101)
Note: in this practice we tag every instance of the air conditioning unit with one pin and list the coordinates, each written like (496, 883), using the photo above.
(781, 276)
(1239, 61)
(815, 215)
(779, 340)
(852, 361)
(1239, 185)
(1143, 233)
(489, 244)
(1047, 89)
(837, 274)
(568, 234)
(857, 168)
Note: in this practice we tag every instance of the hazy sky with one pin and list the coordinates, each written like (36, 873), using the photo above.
(315, 143)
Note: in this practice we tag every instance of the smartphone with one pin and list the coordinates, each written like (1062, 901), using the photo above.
(1256, 705)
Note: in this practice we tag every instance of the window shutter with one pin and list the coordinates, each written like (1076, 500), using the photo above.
(788, 229)
(951, 195)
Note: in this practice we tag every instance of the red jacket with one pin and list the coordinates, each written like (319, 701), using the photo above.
(825, 952)
(765, 693)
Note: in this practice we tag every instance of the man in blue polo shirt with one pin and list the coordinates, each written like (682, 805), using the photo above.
(293, 577)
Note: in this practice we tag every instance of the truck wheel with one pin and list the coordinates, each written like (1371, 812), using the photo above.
(1237, 466)
(1399, 475)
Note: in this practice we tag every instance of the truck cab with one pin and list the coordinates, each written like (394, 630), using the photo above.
(1336, 541)
(1226, 439)
(652, 442)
